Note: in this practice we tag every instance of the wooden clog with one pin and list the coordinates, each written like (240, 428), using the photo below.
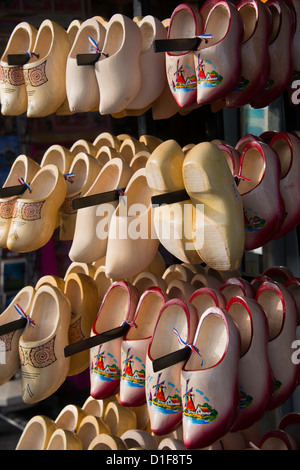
(121, 51)
(35, 213)
(106, 153)
(207, 415)
(185, 22)
(177, 271)
(152, 65)
(150, 141)
(106, 139)
(132, 231)
(44, 366)
(119, 418)
(134, 347)
(140, 439)
(84, 169)
(95, 407)
(83, 145)
(69, 418)
(139, 160)
(62, 439)
(19, 307)
(45, 72)
(178, 289)
(82, 292)
(174, 221)
(102, 282)
(278, 273)
(37, 433)
(236, 286)
(89, 428)
(163, 366)
(219, 234)
(218, 58)
(85, 268)
(12, 80)
(280, 309)
(276, 439)
(255, 375)
(81, 83)
(205, 298)
(146, 279)
(107, 442)
(51, 280)
(260, 166)
(60, 156)
(25, 168)
(130, 147)
(95, 219)
(105, 359)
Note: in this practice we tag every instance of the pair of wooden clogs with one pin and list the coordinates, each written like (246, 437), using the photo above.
(237, 60)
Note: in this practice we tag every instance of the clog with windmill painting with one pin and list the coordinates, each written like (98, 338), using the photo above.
(255, 68)
(218, 58)
(254, 370)
(83, 172)
(134, 347)
(281, 64)
(121, 298)
(213, 365)
(81, 83)
(12, 80)
(219, 233)
(168, 349)
(22, 170)
(260, 180)
(173, 222)
(287, 148)
(132, 242)
(35, 213)
(280, 309)
(44, 366)
(118, 70)
(185, 22)
(45, 72)
(18, 308)
(94, 219)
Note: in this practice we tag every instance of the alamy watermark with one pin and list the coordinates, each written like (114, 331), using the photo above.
(295, 97)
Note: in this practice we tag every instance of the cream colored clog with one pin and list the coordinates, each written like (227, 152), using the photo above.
(60, 156)
(41, 346)
(89, 428)
(119, 418)
(83, 145)
(107, 442)
(130, 147)
(205, 298)
(82, 292)
(45, 75)
(132, 242)
(9, 342)
(85, 170)
(35, 213)
(70, 418)
(108, 139)
(173, 222)
(81, 83)
(219, 234)
(23, 169)
(105, 153)
(36, 434)
(146, 279)
(12, 80)
(62, 439)
(121, 51)
(94, 220)
(51, 280)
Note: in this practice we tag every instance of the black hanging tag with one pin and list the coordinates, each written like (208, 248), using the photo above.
(173, 45)
(93, 341)
(96, 199)
(10, 191)
(87, 59)
(170, 198)
(171, 359)
(17, 59)
(12, 326)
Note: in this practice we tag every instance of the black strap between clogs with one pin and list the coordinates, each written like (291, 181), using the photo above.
(93, 341)
(87, 59)
(13, 326)
(171, 359)
(173, 45)
(10, 191)
(170, 198)
(95, 199)
(20, 59)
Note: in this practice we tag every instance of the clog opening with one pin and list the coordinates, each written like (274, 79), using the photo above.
(199, 281)
(103, 283)
(243, 322)
(108, 179)
(18, 171)
(272, 305)
(177, 271)
(202, 302)
(139, 195)
(273, 443)
(45, 315)
(80, 170)
(148, 36)
(23, 299)
(43, 184)
(217, 24)
(83, 146)
(103, 446)
(232, 290)
(68, 418)
(33, 438)
(211, 342)
(183, 25)
(94, 407)
(147, 315)
(249, 17)
(178, 289)
(294, 289)
(54, 156)
(86, 434)
(139, 161)
(252, 167)
(164, 339)
(113, 310)
(83, 45)
(276, 22)
(74, 292)
(19, 44)
(57, 443)
(114, 39)
(43, 43)
(284, 153)
(103, 156)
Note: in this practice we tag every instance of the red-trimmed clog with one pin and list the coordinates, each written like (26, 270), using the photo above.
(280, 309)
(278, 273)
(205, 297)
(209, 380)
(255, 374)
(237, 286)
